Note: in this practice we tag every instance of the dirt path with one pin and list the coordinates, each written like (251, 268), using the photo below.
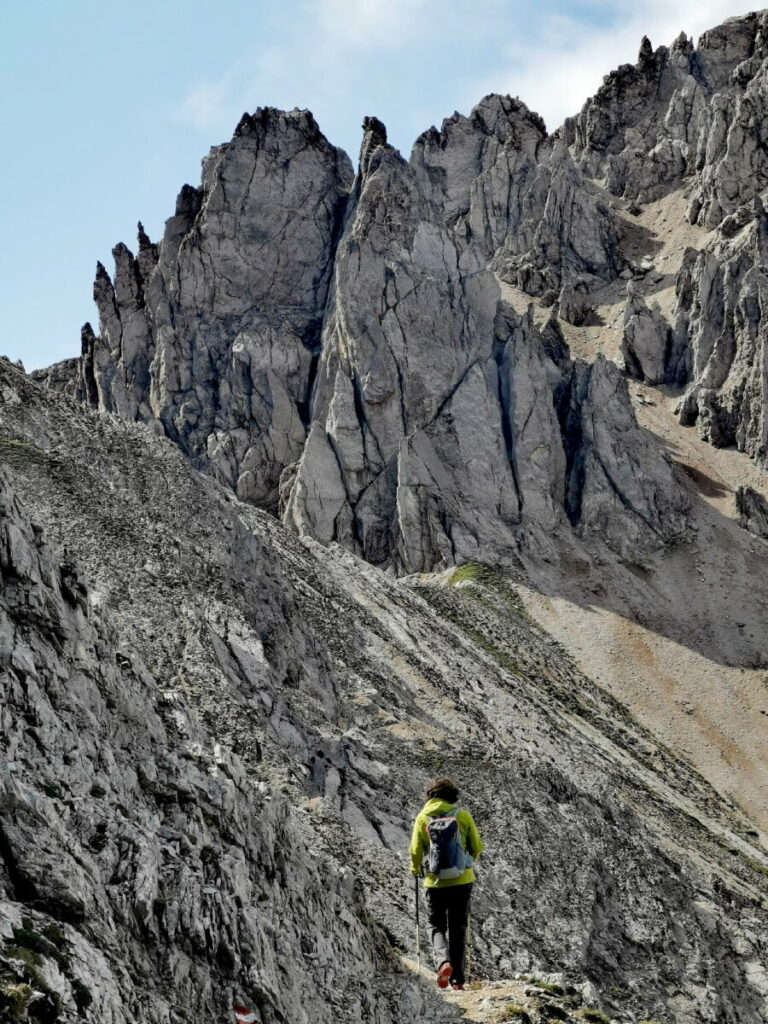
(521, 1000)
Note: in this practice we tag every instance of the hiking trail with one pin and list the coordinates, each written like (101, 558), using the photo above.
(524, 999)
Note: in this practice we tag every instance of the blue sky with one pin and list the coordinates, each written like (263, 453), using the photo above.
(107, 109)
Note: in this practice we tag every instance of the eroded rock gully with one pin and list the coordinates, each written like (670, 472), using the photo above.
(467, 358)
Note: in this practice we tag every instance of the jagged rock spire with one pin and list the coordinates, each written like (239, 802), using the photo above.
(374, 138)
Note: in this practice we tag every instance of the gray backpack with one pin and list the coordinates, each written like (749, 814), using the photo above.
(446, 857)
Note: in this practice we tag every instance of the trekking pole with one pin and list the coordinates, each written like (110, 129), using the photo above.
(418, 922)
(469, 949)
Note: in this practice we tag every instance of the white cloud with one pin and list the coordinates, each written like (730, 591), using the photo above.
(366, 25)
(566, 65)
(327, 41)
(208, 104)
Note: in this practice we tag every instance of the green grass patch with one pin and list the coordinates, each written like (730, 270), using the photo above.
(744, 858)
(597, 1016)
(14, 999)
(30, 949)
(489, 578)
(476, 572)
(28, 957)
(554, 990)
(55, 934)
(754, 864)
(551, 1011)
(517, 1013)
(31, 946)
(82, 995)
(502, 660)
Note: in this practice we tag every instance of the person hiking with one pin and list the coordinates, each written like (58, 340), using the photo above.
(448, 838)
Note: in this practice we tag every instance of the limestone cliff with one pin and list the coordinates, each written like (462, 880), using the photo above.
(315, 337)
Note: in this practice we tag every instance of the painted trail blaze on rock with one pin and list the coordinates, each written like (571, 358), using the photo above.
(245, 1016)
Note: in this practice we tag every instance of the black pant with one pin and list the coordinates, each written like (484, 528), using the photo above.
(448, 914)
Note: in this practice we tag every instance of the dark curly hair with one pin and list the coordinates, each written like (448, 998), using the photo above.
(443, 789)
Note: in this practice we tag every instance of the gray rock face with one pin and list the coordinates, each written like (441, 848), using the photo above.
(485, 468)
(511, 191)
(214, 333)
(722, 301)
(608, 492)
(434, 436)
(646, 340)
(63, 376)
(696, 116)
(753, 511)
(682, 112)
(351, 364)
(156, 881)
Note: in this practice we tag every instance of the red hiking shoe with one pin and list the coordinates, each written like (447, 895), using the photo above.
(457, 988)
(444, 975)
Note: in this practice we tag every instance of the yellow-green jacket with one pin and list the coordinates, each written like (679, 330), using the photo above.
(470, 840)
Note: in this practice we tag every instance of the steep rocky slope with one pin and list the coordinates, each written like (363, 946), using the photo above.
(145, 874)
(343, 689)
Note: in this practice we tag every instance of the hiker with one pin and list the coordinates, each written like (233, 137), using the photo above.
(448, 838)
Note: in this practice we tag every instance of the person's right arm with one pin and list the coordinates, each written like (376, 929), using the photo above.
(475, 845)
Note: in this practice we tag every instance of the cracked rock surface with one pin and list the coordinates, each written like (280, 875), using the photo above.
(337, 349)
(213, 333)
(722, 314)
(146, 874)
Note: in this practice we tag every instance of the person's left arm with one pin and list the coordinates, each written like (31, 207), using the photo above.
(418, 846)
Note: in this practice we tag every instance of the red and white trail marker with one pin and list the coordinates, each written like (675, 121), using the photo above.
(244, 1016)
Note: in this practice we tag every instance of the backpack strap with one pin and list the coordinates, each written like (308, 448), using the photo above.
(453, 813)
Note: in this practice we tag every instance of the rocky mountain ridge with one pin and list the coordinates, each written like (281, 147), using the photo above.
(348, 433)
(314, 337)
